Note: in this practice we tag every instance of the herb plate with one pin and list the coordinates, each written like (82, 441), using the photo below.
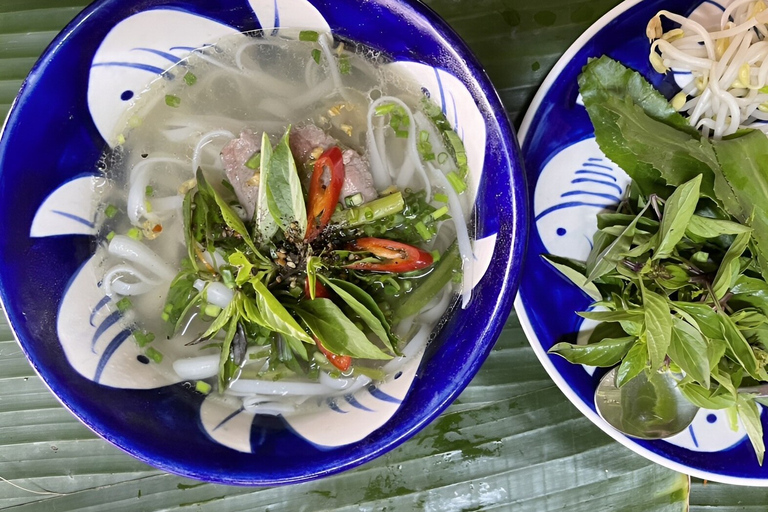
(570, 181)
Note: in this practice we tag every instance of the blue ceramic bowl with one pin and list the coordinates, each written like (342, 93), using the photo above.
(570, 181)
(49, 149)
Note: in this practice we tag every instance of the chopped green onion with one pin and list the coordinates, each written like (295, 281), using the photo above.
(308, 35)
(121, 139)
(345, 67)
(110, 211)
(202, 387)
(442, 158)
(423, 231)
(385, 109)
(457, 277)
(190, 79)
(456, 146)
(441, 198)
(124, 304)
(134, 233)
(425, 147)
(165, 316)
(143, 338)
(149, 191)
(316, 54)
(456, 182)
(353, 200)
(435, 256)
(254, 161)
(110, 236)
(148, 206)
(154, 355)
(172, 101)
(439, 212)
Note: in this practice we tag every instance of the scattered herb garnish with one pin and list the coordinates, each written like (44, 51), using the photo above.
(679, 270)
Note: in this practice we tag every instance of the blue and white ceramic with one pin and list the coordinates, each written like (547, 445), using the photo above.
(569, 182)
(80, 343)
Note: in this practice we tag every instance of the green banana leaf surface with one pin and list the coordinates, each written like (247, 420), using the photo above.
(512, 441)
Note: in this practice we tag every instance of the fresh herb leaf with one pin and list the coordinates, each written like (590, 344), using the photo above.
(605, 353)
(337, 332)
(575, 272)
(363, 305)
(750, 418)
(678, 211)
(633, 363)
(688, 350)
(274, 315)
(265, 223)
(285, 199)
(658, 325)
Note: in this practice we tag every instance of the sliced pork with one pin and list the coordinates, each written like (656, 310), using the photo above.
(234, 156)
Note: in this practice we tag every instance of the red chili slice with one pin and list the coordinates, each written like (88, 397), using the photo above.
(341, 362)
(394, 256)
(323, 198)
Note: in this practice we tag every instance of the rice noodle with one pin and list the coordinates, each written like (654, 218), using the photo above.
(204, 140)
(114, 283)
(195, 368)
(462, 233)
(136, 252)
(729, 66)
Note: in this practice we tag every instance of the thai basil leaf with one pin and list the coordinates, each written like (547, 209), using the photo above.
(701, 316)
(608, 219)
(738, 347)
(730, 266)
(365, 307)
(658, 325)
(613, 316)
(605, 353)
(634, 362)
(337, 332)
(245, 267)
(678, 211)
(750, 418)
(265, 223)
(600, 241)
(715, 399)
(274, 315)
(688, 350)
(607, 260)
(574, 272)
(706, 227)
(285, 199)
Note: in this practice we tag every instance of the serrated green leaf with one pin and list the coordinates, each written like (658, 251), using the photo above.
(265, 223)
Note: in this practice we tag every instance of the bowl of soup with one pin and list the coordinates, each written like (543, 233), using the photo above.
(258, 242)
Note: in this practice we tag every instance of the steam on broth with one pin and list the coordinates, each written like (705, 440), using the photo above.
(288, 219)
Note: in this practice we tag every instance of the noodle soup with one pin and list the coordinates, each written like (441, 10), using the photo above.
(288, 219)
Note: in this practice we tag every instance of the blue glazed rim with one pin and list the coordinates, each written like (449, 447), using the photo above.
(34, 272)
(546, 303)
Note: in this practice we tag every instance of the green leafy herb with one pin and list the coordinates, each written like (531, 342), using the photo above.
(285, 199)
